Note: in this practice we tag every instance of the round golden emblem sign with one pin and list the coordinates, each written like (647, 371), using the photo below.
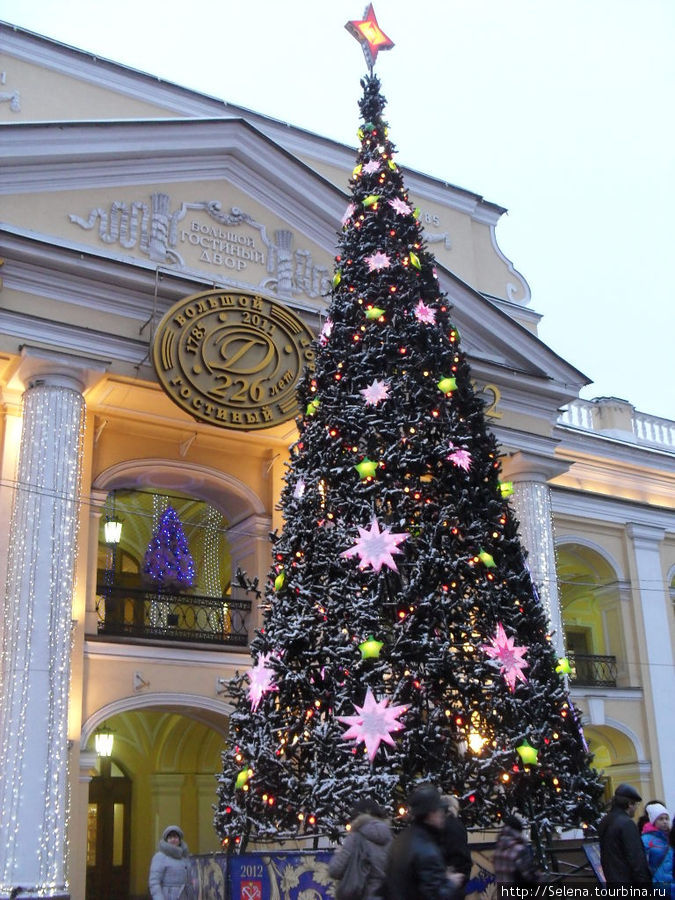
(232, 358)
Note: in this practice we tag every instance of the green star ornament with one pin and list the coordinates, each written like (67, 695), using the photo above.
(527, 753)
(243, 776)
(506, 488)
(486, 559)
(447, 384)
(563, 667)
(370, 649)
(366, 468)
(374, 312)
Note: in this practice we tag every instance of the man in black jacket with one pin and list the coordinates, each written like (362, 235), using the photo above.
(621, 852)
(416, 868)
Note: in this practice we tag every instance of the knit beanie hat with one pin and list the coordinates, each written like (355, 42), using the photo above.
(654, 810)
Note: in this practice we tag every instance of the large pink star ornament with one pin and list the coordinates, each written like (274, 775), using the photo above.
(425, 314)
(510, 658)
(261, 680)
(371, 167)
(377, 261)
(373, 724)
(369, 34)
(375, 547)
(375, 392)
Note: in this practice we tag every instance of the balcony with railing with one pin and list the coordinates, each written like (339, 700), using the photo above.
(161, 616)
(591, 670)
(620, 420)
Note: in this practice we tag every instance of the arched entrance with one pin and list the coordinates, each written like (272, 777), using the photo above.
(162, 771)
(591, 610)
(616, 755)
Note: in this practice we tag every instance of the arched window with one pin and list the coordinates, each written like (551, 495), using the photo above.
(166, 573)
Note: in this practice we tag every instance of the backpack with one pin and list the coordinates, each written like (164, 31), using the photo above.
(352, 885)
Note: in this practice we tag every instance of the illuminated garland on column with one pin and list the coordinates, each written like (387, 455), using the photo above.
(532, 502)
(37, 639)
(211, 562)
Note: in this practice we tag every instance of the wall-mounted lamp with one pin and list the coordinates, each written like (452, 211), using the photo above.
(103, 742)
(112, 531)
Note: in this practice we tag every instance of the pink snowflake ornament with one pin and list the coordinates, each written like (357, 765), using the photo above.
(377, 261)
(510, 658)
(425, 314)
(375, 392)
(400, 207)
(349, 212)
(374, 723)
(375, 547)
(460, 458)
(299, 491)
(261, 680)
(326, 332)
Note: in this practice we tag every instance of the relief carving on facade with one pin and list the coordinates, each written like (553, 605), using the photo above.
(11, 97)
(236, 242)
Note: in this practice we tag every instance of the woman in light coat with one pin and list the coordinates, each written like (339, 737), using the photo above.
(170, 866)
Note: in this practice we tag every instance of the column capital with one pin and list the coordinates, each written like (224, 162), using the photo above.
(98, 499)
(252, 527)
(88, 759)
(645, 535)
(526, 466)
(56, 368)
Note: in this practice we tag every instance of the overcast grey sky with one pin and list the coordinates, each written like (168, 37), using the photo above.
(560, 111)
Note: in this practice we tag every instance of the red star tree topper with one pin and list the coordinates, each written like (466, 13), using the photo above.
(369, 34)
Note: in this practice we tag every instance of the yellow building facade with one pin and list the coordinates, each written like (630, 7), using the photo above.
(121, 196)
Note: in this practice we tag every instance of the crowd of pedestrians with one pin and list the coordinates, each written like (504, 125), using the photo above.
(429, 859)
(638, 855)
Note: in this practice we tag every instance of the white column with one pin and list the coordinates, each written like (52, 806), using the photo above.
(532, 503)
(651, 592)
(37, 640)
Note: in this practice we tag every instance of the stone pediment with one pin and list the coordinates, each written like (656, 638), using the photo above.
(221, 203)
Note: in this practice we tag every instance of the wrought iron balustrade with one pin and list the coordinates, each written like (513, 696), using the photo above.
(158, 615)
(591, 670)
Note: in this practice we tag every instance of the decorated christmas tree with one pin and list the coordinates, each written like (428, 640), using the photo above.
(168, 563)
(403, 640)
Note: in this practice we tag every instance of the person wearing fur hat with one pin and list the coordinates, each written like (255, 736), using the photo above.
(169, 869)
(370, 832)
(658, 849)
(621, 852)
(415, 866)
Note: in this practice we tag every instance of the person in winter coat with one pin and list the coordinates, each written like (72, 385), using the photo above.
(416, 867)
(621, 852)
(455, 842)
(655, 840)
(169, 869)
(369, 829)
(513, 858)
